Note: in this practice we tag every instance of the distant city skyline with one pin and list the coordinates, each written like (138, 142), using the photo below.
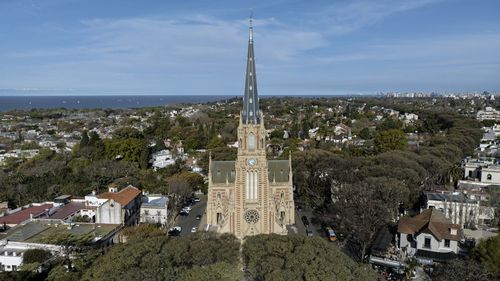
(197, 47)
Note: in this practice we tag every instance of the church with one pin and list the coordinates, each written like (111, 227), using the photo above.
(251, 195)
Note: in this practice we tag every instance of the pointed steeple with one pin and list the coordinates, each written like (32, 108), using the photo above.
(251, 99)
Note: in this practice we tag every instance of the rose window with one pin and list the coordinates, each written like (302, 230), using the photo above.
(251, 216)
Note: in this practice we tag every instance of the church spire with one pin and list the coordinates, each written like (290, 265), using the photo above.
(250, 99)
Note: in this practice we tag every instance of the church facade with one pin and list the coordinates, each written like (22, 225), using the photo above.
(251, 195)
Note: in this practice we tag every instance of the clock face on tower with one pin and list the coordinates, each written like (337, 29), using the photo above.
(251, 162)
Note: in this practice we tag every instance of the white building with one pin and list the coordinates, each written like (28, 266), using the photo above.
(408, 117)
(460, 209)
(11, 253)
(489, 113)
(154, 209)
(428, 236)
(116, 207)
(36, 234)
(480, 173)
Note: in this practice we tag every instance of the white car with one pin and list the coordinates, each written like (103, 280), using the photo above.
(194, 229)
(187, 208)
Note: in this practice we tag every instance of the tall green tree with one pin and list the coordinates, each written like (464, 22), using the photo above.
(392, 139)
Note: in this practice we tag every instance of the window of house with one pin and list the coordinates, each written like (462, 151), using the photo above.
(489, 176)
(146, 212)
(218, 195)
(219, 218)
(470, 174)
(158, 213)
(446, 243)
(427, 242)
(14, 268)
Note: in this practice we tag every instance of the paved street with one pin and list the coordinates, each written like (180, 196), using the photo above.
(301, 229)
(190, 221)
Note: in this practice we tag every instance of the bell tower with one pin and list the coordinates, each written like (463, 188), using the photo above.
(251, 195)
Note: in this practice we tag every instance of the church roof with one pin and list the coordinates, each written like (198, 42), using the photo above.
(278, 171)
(250, 114)
(222, 170)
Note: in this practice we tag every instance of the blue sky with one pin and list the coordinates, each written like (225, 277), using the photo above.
(199, 47)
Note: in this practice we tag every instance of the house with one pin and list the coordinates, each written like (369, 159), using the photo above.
(460, 208)
(489, 113)
(408, 117)
(25, 213)
(480, 173)
(154, 209)
(428, 236)
(342, 129)
(313, 132)
(119, 207)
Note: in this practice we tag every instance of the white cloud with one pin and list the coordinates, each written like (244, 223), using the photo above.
(345, 17)
(163, 51)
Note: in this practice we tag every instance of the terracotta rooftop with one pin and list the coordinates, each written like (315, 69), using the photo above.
(432, 221)
(123, 197)
(23, 215)
(68, 210)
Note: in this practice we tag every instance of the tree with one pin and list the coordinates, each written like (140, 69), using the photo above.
(218, 271)
(85, 139)
(275, 257)
(365, 134)
(464, 270)
(61, 273)
(390, 123)
(93, 138)
(36, 256)
(164, 258)
(127, 133)
(392, 139)
(363, 207)
(488, 253)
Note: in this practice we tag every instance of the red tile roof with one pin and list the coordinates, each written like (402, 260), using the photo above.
(124, 196)
(23, 215)
(68, 210)
(432, 220)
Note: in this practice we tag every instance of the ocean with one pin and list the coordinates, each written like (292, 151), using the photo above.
(90, 102)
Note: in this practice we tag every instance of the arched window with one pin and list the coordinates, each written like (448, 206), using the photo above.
(489, 176)
(251, 141)
(251, 185)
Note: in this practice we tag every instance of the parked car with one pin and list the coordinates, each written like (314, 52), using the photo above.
(187, 208)
(198, 217)
(332, 236)
(196, 199)
(175, 231)
(305, 221)
(309, 232)
(194, 229)
(184, 212)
